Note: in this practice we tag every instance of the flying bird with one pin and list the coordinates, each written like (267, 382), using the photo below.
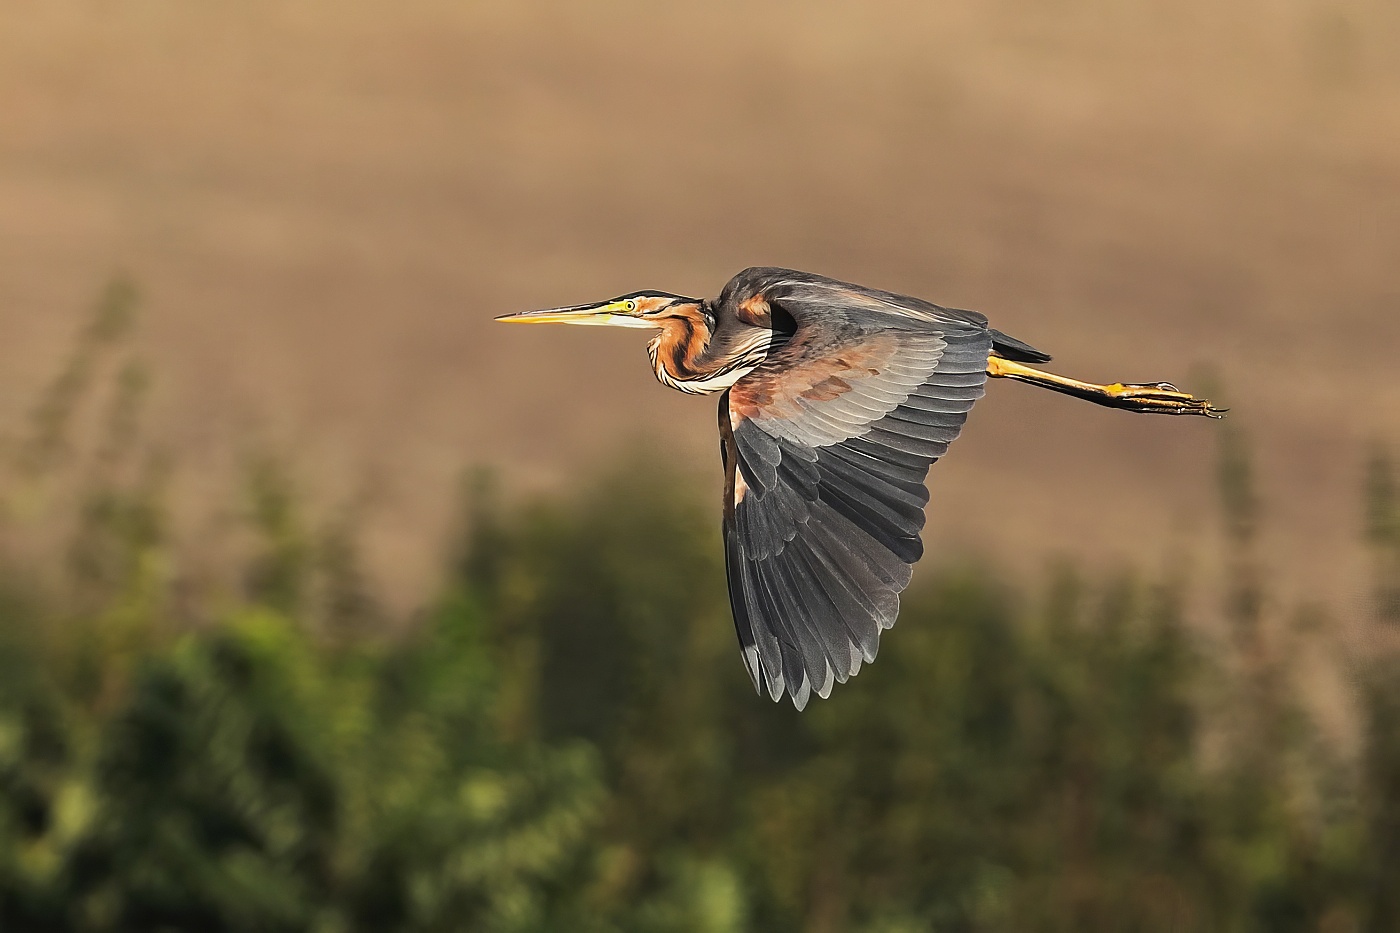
(834, 401)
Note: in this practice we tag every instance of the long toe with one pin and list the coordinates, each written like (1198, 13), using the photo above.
(1168, 402)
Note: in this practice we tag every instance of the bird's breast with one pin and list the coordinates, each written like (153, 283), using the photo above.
(706, 385)
(701, 364)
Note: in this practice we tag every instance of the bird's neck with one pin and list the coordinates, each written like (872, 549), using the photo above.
(689, 355)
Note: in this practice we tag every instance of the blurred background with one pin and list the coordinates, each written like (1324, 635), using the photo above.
(327, 604)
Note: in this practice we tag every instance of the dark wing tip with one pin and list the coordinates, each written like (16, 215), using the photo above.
(1017, 350)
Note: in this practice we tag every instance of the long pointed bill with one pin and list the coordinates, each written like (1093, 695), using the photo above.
(606, 313)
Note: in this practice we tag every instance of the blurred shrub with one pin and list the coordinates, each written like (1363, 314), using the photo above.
(1383, 531)
(565, 740)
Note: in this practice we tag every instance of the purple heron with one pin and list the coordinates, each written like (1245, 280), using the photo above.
(835, 401)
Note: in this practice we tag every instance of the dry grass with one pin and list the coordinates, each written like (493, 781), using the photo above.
(325, 202)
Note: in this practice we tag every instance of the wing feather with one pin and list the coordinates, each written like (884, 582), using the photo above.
(857, 616)
(828, 444)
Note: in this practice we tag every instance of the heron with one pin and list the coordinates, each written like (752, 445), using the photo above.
(834, 401)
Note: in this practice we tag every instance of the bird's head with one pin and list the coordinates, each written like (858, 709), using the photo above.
(637, 309)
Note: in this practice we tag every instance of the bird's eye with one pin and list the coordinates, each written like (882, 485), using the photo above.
(629, 305)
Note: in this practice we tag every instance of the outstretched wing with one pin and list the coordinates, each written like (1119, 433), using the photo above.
(826, 446)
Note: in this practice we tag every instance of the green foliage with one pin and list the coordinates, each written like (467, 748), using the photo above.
(51, 420)
(565, 740)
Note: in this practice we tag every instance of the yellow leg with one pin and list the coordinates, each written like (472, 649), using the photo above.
(1159, 397)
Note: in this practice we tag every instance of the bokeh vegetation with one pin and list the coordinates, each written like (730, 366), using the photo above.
(563, 738)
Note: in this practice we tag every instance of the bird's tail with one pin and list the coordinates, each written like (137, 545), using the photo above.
(1013, 349)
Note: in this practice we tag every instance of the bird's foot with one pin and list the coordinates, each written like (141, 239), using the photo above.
(1161, 398)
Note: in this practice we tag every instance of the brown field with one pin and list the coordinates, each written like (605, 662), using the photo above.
(324, 203)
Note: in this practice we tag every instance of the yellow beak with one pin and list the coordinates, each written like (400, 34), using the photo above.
(605, 313)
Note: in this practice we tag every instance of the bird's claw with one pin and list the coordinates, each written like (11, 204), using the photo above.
(1165, 398)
